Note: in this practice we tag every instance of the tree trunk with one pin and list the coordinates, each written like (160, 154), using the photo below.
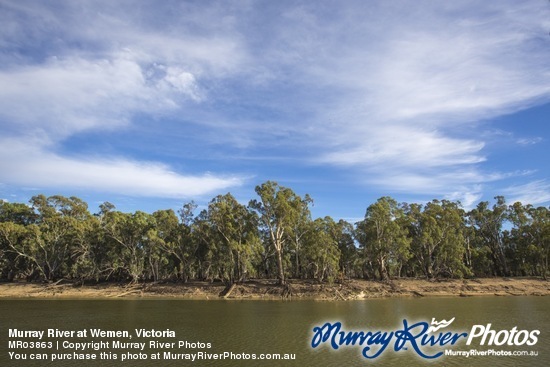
(382, 269)
(280, 266)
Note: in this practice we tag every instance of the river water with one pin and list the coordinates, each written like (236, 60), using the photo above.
(247, 328)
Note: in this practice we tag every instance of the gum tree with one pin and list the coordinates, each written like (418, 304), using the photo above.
(438, 238)
(531, 238)
(235, 234)
(321, 253)
(63, 231)
(279, 208)
(383, 237)
(487, 223)
(128, 233)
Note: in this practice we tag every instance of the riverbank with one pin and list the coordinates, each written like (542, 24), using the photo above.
(297, 289)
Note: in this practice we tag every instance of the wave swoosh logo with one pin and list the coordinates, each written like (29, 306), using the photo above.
(439, 325)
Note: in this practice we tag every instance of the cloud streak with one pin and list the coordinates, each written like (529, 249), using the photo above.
(63, 97)
(31, 164)
(535, 192)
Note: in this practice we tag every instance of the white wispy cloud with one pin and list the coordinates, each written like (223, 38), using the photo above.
(535, 192)
(62, 97)
(529, 141)
(32, 163)
(407, 146)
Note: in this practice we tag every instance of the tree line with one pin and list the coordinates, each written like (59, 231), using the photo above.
(274, 236)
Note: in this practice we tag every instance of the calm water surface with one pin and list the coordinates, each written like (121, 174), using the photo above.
(280, 327)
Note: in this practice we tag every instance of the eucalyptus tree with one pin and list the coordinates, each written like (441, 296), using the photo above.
(300, 228)
(171, 246)
(279, 208)
(382, 236)
(540, 235)
(19, 251)
(437, 234)
(204, 241)
(236, 237)
(17, 234)
(530, 237)
(521, 253)
(349, 255)
(88, 251)
(321, 254)
(48, 237)
(161, 238)
(184, 250)
(128, 234)
(487, 224)
(96, 261)
(63, 224)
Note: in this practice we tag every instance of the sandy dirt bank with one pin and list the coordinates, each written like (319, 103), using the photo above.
(298, 289)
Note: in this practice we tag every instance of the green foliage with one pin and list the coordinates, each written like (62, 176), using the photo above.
(19, 250)
(383, 239)
(321, 253)
(488, 233)
(16, 213)
(127, 234)
(234, 241)
(437, 234)
(279, 209)
(529, 239)
(349, 262)
(56, 237)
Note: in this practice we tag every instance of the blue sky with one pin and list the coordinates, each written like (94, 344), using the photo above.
(151, 104)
